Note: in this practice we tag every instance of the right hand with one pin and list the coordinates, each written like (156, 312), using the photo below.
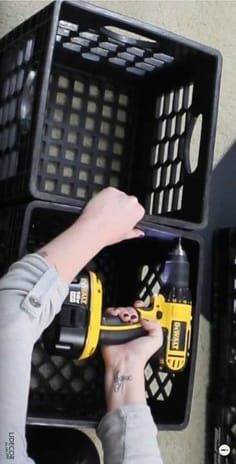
(125, 363)
(115, 215)
(137, 352)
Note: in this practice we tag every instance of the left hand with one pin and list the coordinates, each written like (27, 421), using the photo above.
(114, 215)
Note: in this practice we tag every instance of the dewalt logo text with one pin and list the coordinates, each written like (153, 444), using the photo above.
(175, 335)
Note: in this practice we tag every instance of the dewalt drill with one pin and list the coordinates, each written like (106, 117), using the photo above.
(80, 326)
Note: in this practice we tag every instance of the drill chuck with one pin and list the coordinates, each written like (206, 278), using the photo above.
(176, 268)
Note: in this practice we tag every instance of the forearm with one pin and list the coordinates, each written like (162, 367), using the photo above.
(74, 248)
(124, 384)
(127, 431)
(108, 218)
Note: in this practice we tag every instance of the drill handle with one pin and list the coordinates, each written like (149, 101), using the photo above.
(115, 332)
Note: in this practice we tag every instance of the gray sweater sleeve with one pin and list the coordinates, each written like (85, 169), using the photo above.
(31, 294)
(129, 436)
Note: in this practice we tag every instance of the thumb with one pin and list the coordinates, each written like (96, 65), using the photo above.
(134, 233)
(154, 330)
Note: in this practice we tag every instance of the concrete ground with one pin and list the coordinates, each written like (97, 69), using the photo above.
(212, 23)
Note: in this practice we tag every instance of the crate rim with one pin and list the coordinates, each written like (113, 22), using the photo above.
(142, 25)
(147, 219)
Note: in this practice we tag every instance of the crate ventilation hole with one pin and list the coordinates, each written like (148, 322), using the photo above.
(167, 161)
(97, 46)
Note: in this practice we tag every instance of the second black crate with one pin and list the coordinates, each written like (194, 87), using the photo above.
(222, 417)
(74, 393)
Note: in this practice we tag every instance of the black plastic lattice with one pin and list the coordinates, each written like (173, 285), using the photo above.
(172, 119)
(172, 115)
(97, 46)
(84, 142)
(15, 67)
(225, 436)
(19, 64)
(62, 388)
(224, 338)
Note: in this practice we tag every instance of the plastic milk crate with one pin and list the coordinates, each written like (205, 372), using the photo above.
(84, 105)
(68, 392)
(223, 379)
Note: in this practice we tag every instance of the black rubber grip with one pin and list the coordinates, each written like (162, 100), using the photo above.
(109, 336)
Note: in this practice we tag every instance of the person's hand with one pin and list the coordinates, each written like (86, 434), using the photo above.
(111, 216)
(114, 215)
(137, 352)
(124, 375)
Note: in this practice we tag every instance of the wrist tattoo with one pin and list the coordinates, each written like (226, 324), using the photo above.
(119, 380)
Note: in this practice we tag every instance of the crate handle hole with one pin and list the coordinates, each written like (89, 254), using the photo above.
(131, 38)
(192, 146)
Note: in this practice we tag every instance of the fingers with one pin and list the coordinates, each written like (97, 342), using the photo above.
(133, 199)
(126, 314)
(154, 330)
(135, 233)
(113, 311)
(138, 304)
(129, 314)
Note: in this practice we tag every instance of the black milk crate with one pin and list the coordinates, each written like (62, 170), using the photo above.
(64, 391)
(223, 378)
(84, 105)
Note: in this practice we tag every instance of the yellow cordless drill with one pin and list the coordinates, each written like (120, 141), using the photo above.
(80, 326)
